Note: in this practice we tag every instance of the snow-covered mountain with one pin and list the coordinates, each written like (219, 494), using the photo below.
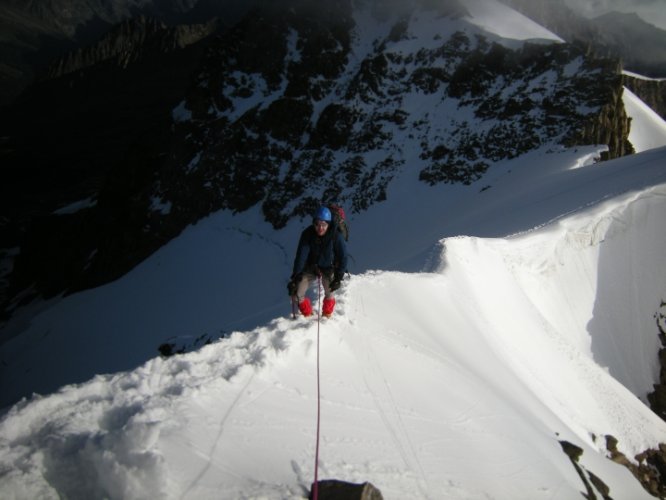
(497, 338)
(634, 35)
(287, 107)
(470, 380)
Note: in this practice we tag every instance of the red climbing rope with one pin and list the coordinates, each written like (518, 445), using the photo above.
(315, 488)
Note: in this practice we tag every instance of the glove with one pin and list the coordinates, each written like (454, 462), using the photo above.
(292, 286)
(337, 281)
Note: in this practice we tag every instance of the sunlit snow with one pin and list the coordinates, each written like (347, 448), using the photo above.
(453, 383)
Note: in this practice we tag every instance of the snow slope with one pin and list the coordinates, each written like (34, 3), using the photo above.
(454, 383)
(496, 17)
(228, 273)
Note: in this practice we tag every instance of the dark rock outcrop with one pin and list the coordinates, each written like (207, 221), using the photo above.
(128, 43)
(591, 482)
(649, 467)
(96, 130)
(37, 32)
(651, 92)
(657, 398)
(610, 125)
(332, 489)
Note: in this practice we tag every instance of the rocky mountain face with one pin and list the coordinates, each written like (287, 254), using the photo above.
(309, 119)
(70, 128)
(68, 136)
(639, 45)
(128, 43)
(158, 127)
(35, 32)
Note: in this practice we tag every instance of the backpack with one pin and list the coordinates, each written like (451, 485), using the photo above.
(340, 220)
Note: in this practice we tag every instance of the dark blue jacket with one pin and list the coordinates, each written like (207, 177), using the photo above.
(327, 253)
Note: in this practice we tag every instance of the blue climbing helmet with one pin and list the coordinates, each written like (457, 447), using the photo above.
(322, 213)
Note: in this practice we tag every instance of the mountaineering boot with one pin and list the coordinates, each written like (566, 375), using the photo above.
(327, 308)
(305, 307)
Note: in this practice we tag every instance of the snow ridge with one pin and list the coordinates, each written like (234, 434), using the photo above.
(495, 354)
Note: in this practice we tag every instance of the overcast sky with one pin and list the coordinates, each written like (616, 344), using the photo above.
(652, 11)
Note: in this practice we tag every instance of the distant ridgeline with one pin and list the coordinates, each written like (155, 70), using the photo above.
(288, 107)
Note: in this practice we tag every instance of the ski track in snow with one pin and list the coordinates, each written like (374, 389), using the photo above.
(216, 441)
(387, 406)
